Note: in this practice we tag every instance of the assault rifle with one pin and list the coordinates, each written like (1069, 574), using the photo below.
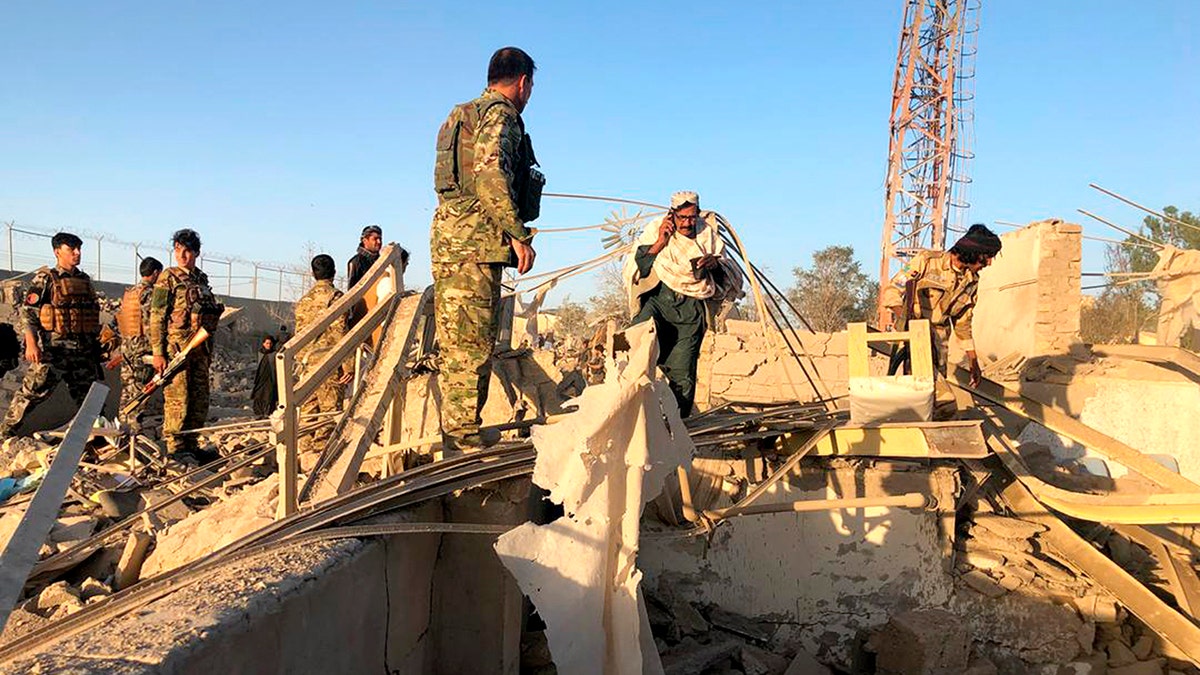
(173, 367)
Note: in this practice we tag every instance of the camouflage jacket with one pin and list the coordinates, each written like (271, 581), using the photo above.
(309, 309)
(133, 349)
(944, 294)
(478, 228)
(178, 298)
(39, 293)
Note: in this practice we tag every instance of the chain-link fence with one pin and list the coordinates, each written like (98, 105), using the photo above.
(107, 258)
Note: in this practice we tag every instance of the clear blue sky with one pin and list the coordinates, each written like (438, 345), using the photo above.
(265, 125)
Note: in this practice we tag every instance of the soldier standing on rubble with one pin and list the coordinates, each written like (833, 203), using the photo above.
(310, 308)
(133, 326)
(181, 304)
(487, 189)
(941, 286)
(60, 319)
(678, 265)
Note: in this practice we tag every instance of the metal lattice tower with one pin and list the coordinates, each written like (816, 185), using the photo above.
(931, 128)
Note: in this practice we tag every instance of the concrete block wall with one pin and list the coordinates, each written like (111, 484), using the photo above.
(1029, 298)
(744, 364)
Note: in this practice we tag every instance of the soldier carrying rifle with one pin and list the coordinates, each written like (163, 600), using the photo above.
(181, 305)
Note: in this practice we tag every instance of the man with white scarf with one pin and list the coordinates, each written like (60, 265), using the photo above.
(679, 262)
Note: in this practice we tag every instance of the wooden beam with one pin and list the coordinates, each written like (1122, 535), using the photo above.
(958, 439)
(21, 553)
(1137, 509)
(1161, 354)
(1158, 615)
(1056, 420)
(364, 419)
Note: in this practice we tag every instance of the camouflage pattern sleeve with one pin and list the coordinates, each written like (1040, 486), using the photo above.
(36, 295)
(893, 292)
(496, 145)
(337, 331)
(160, 312)
(963, 329)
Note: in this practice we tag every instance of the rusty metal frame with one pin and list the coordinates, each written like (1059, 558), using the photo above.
(930, 127)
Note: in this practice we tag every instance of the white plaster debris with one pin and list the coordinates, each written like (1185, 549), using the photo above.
(603, 463)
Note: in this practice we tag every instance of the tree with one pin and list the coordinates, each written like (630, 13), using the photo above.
(834, 290)
(610, 302)
(1120, 312)
(572, 321)
(1168, 231)
(1127, 307)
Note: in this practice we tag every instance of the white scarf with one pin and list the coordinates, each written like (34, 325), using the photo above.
(673, 265)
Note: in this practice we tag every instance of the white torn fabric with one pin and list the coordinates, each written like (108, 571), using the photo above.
(530, 311)
(603, 463)
(1177, 276)
(900, 398)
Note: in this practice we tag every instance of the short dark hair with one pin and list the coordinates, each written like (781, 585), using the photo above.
(269, 337)
(187, 238)
(509, 63)
(323, 267)
(65, 239)
(150, 266)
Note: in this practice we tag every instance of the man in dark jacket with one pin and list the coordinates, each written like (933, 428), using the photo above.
(265, 394)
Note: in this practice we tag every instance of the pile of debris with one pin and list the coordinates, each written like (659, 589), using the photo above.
(86, 557)
(1019, 605)
(695, 638)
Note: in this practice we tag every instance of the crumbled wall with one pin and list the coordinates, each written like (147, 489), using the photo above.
(821, 577)
(1029, 298)
(742, 364)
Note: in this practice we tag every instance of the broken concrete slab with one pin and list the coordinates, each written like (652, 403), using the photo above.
(804, 664)
(56, 594)
(691, 657)
(1152, 667)
(206, 531)
(922, 642)
(757, 661)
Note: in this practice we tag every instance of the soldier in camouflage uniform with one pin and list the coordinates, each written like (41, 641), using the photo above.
(318, 299)
(60, 320)
(941, 286)
(487, 190)
(133, 322)
(181, 304)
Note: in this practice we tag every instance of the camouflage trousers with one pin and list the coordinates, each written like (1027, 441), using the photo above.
(327, 398)
(944, 405)
(78, 369)
(466, 314)
(135, 373)
(185, 398)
